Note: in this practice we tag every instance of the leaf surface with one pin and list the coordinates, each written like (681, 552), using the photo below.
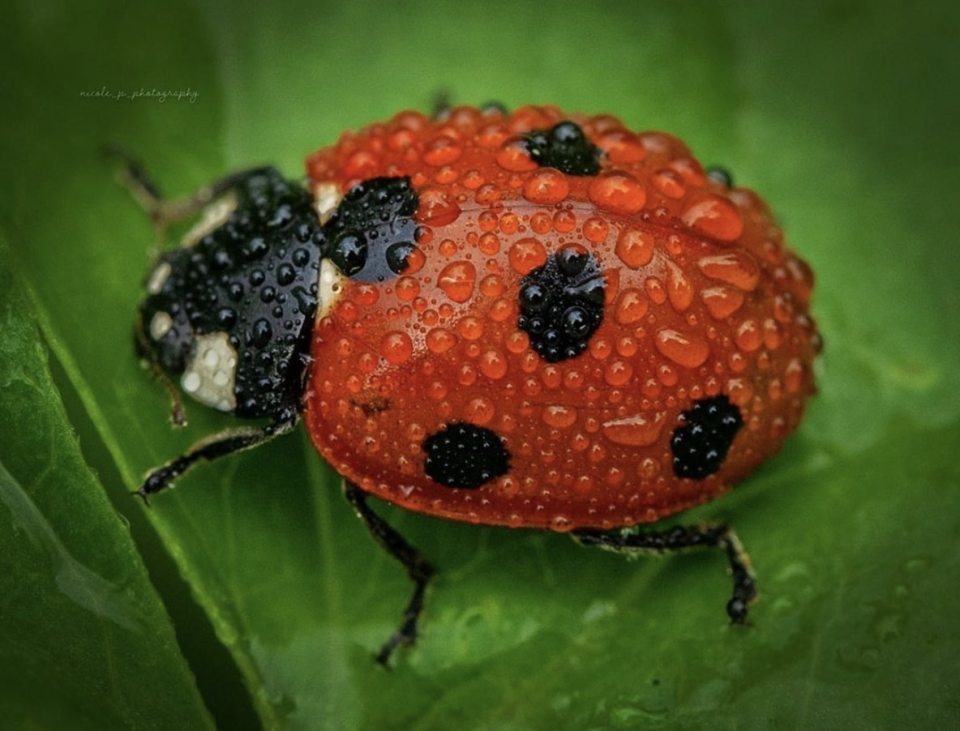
(838, 112)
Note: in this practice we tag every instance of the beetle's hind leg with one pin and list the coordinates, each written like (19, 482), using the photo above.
(683, 537)
(418, 569)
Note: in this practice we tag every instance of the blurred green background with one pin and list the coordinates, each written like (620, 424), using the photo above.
(251, 598)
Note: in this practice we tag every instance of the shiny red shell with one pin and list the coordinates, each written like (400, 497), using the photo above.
(703, 297)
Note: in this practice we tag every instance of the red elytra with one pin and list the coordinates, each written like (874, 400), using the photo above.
(701, 298)
(530, 319)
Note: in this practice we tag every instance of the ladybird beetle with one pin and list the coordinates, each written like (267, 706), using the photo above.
(530, 319)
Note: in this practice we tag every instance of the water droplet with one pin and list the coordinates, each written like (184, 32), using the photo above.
(396, 347)
(440, 340)
(670, 184)
(564, 221)
(552, 377)
(488, 194)
(466, 375)
(618, 193)
(631, 307)
(793, 376)
(627, 346)
(771, 334)
(721, 302)
(615, 477)
(622, 147)
(648, 468)
(739, 391)
(635, 247)
(457, 280)
(407, 288)
(514, 157)
(748, 336)
(600, 348)
(473, 179)
(734, 267)
(405, 258)
(679, 290)
(559, 416)
(479, 411)
(639, 430)
(517, 342)
(509, 223)
(401, 139)
(489, 243)
(686, 350)
(493, 365)
(361, 164)
(715, 217)
(285, 274)
(597, 453)
(655, 290)
(618, 373)
(595, 230)
(448, 247)
(546, 187)
(470, 328)
(261, 333)
(437, 208)
(526, 255)
(690, 170)
(775, 392)
(442, 151)
(541, 222)
(492, 286)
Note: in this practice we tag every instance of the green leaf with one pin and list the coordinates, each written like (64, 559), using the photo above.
(85, 641)
(841, 113)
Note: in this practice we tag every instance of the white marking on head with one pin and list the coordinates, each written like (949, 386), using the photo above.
(326, 198)
(158, 277)
(160, 324)
(212, 217)
(211, 371)
(329, 287)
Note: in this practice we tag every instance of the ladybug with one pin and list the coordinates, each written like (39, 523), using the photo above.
(531, 319)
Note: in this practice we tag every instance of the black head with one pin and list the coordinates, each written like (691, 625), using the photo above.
(230, 312)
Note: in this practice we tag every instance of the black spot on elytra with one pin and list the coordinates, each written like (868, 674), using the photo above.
(561, 304)
(254, 278)
(464, 456)
(564, 147)
(372, 231)
(702, 441)
(720, 175)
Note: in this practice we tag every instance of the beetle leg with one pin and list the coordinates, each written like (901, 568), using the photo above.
(162, 211)
(679, 538)
(419, 569)
(178, 415)
(214, 446)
